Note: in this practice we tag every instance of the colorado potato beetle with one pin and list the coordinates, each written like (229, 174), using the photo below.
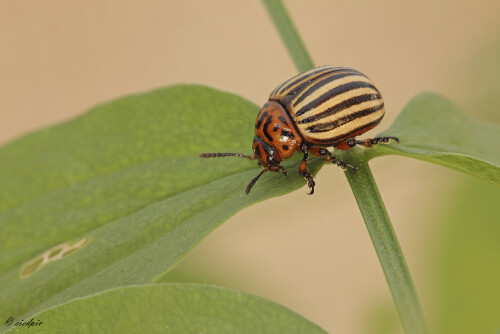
(324, 107)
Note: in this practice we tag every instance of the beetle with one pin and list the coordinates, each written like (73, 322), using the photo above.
(324, 107)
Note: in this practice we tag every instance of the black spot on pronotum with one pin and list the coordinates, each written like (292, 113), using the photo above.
(283, 120)
(276, 128)
(266, 124)
(261, 119)
(285, 147)
(287, 133)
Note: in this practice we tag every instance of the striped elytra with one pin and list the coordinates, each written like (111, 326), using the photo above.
(330, 104)
(324, 107)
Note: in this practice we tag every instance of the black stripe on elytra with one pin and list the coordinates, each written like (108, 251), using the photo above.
(266, 125)
(299, 77)
(341, 106)
(333, 92)
(283, 120)
(324, 127)
(261, 119)
(320, 83)
(314, 75)
(340, 138)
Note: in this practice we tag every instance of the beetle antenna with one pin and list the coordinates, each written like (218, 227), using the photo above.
(220, 155)
(251, 184)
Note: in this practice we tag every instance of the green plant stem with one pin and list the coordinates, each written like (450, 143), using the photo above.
(386, 244)
(367, 196)
(289, 35)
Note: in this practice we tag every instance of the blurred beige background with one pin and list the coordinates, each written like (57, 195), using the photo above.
(310, 253)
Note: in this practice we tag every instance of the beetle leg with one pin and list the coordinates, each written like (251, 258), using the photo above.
(327, 156)
(283, 170)
(303, 170)
(350, 143)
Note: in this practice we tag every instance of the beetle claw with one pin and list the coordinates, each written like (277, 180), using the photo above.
(312, 191)
(310, 181)
(396, 139)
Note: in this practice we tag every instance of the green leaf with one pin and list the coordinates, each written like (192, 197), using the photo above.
(119, 195)
(171, 308)
(433, 129)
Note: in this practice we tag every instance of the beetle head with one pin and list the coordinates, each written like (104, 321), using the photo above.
(275, 139)
(267, 155)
